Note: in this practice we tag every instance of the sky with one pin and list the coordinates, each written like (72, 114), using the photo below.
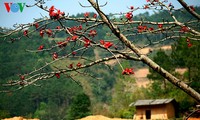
(8, 19)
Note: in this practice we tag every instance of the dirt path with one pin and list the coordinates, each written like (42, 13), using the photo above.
(100, 117)
(18, 118)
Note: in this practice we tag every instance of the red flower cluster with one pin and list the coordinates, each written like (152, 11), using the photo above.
(55, 15)
(95, 15)
(25, 32)
(170, 4)
(87, 42)
(22, 77)
(127, 71)
(41, 33)
(57, 75)
(73, 53)
(192, 8)
(129, 16)
(49, 32)
(36, 25)
(78, 64)
(41, 47)
(92, 33)
(73, 38)
(71, 66)
(62, 44)
(160, 25)
(189, 44)
(146, 7)
(106, 44)
(184, 29)
(55, 56)
(86, 15)
(75, 28)
(58, 27)
(151, 29)
(132, 7)
(142, 28)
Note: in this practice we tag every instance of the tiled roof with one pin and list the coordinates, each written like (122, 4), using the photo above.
(151, 102)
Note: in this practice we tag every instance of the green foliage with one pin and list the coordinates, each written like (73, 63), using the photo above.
(164, 60)
(127, 113)
(188, 57)
(80, 107)
(4, 114)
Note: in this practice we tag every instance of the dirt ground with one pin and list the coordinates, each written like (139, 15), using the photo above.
(100, 117)
(18, 118)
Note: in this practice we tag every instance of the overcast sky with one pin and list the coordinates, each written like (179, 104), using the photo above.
(70, 6)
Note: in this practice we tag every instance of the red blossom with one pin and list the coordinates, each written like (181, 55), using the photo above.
(187, 40)
(25, 32)
(57, 75)
(87, 42)
(141, 28)
(108, 44)
(87, 14)
(74, 38)
(95, 15)
(146, 6)
(78, 64)
(127, 71)
(132, 7)
(184, 29)
(102, 42)
(80, 27)
(55, 15)
(192, 8)
(41, 33)
(68, 38)
(160, 25)
(22, 77)
(49, 32)
(151, 29)
(170, 4)
(58, 27)
(71, 65)
(92, 33)
(55, 56)
(51, 9)
(36, 25)
(129, 15)
(75, 28)
(148, 0)
(41, 47)
(62, 44)
(73, 53)
(189, 45)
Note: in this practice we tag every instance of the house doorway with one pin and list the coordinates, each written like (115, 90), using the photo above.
(148, 114)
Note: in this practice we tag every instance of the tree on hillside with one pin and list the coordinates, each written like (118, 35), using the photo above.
(122, 41)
